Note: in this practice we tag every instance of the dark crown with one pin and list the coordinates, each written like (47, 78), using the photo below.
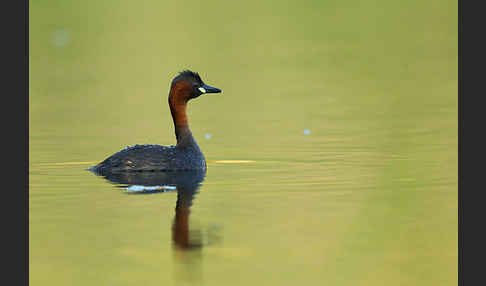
(187, 75)
(190, 74)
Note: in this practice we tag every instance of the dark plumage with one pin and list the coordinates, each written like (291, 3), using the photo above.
(186, 155)
(188, 76)
(153, 158)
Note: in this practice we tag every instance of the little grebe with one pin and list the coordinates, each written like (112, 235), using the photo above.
(186, 155)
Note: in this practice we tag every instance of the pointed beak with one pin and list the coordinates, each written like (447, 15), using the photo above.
(209, 89)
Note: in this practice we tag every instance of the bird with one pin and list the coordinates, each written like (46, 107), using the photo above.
(185, 155)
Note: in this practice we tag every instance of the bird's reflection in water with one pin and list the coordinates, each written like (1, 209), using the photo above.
(181, 236)
(187, 242)
(186, 183)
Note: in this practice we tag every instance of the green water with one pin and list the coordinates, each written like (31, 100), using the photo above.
(368, 197)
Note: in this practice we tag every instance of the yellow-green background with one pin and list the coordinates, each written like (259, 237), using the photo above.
(369, 197)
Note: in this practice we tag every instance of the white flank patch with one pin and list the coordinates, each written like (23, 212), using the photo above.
(139, 188)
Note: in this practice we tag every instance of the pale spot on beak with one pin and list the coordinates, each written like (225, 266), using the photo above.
(202, 89)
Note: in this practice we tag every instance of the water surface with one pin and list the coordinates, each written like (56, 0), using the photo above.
(332, 151)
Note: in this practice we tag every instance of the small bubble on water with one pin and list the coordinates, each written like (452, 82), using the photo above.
(306, 131)
(207, 136)
(60, 38)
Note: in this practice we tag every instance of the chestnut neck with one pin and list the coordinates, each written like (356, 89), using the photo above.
(178, 106)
